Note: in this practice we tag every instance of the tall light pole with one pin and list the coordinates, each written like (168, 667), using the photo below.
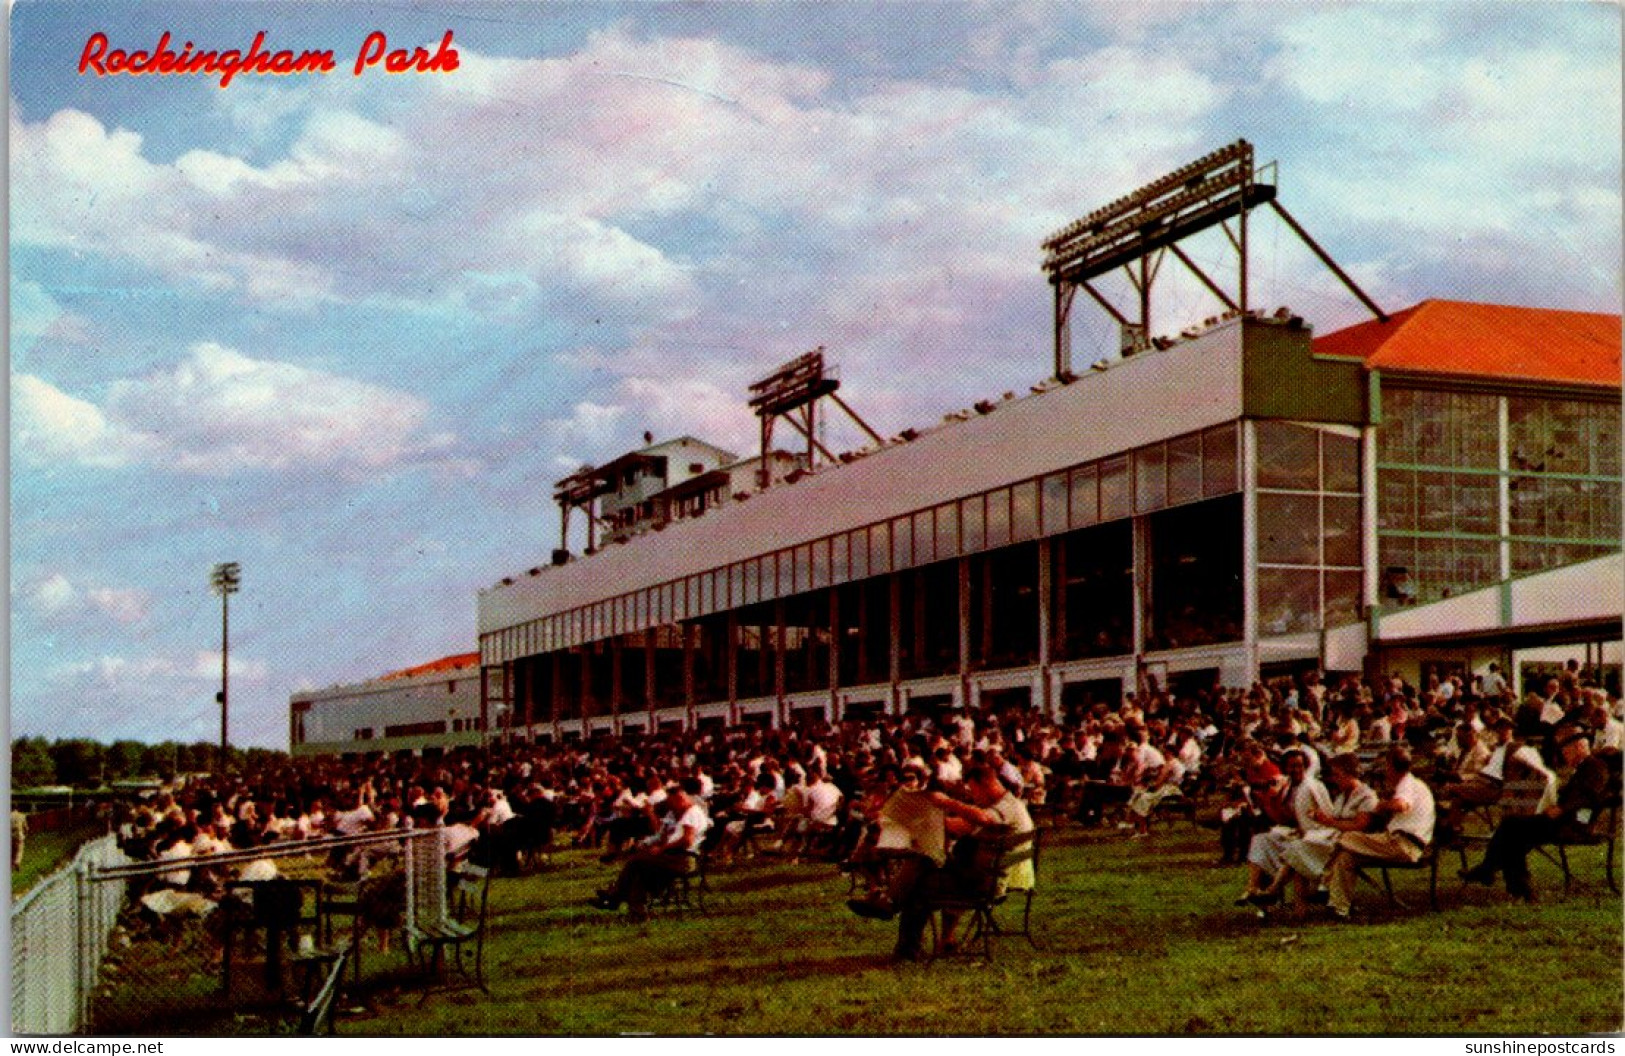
(225, 580)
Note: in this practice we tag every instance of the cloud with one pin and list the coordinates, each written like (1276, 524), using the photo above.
(673, 407)
(589, 423)
(1479, 154)
(218, 412)
(201, 666)
(57, 599)
(35, 314)
(49, 426)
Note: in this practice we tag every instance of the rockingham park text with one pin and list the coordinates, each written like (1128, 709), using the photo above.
(103, 60)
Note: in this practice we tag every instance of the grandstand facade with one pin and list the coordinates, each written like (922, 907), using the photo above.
(1250, 499)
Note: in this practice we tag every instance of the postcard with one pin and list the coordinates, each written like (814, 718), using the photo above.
(506, 496)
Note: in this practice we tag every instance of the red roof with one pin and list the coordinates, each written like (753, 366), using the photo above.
(445, 663)
(1487, 340)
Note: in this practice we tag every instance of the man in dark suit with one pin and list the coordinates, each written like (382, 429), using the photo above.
(1592, 786)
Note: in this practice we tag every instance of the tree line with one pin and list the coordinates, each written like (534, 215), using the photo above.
(83, 763)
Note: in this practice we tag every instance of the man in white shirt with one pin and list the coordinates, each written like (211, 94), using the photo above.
(1409, 808)
(661, 858)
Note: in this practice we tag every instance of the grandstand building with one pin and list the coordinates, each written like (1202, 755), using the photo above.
(1249, 500)
(1426, 492)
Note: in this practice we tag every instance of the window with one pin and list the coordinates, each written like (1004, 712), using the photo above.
(1288, 456)
(998, 519)
(972, 536)
(947, 531)
(1084, 503)
(1054, 503)
(879, 549)
(1150, 479)
(1219, 461)
(1340, 530)
(818, 571)
(1116, 499)
(1288, 529)
(903, 543)
(1340, 465)
(1024, 511)
(1184, 470)
(925, 538)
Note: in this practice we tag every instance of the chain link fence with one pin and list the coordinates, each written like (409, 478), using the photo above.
(214, 943)
(59, 933)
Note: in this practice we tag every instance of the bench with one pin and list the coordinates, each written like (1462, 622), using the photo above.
(433, 938)
(317, 1014)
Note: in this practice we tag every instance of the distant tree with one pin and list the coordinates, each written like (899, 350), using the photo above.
(159, 760)
(78, 761)
(31, 763)
(124, 760)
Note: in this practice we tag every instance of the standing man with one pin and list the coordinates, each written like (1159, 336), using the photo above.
(992, 806)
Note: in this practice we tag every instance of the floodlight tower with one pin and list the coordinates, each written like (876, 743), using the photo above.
(1136, 231)
(798, 385)
(225, 580)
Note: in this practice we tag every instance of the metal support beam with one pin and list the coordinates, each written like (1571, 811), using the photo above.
(812, 444)
(1326, 259)
(1111, 309)
(1064, 294)
(842, 404)
(1212, 286)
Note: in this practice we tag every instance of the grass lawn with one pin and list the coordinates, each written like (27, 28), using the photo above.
(1139, 937)
(44, 852)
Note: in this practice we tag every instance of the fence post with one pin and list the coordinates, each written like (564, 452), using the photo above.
(83, 961)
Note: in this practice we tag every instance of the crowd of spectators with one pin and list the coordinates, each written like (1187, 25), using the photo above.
(817, 790)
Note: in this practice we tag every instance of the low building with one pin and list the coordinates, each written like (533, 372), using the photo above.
(431, 706)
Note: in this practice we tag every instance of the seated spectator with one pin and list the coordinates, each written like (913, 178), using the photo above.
(660, 859)
(1264, 852)
(931, 873)
(1404, 839)
(1253, 801)
(1593, 784)
(750, 816)
(1157, 778)
(818, 815)
(1303, 860)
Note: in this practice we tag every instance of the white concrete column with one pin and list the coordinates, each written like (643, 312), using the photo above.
(1249, 545)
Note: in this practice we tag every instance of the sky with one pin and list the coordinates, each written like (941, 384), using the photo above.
(349, 330)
